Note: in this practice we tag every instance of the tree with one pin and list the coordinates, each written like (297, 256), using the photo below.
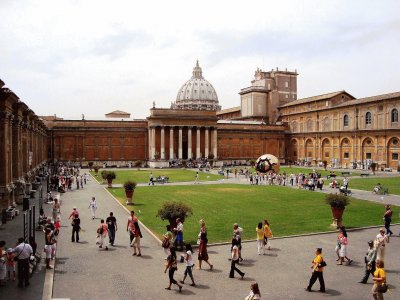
(109, 176)
(172, 210)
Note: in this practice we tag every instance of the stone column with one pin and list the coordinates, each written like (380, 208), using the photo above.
(171, 142)
(189, 142)
(215, 143)
(16, 142)
(162, 150)
(5, 159)
(206, 143)
(180, 143)
(153, 142)
(198, 143)
(150, 151)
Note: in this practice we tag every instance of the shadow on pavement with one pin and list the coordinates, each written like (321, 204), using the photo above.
(201, 286)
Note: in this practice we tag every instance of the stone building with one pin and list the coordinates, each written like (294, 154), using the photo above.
(334, 127)
(23, 151)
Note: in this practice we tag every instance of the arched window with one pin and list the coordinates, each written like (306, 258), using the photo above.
(345, 120)
(394, 115)
(368, 118)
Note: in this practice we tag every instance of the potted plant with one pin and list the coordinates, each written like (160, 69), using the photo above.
(129, 187)
(172, 210)
(338, 203)
(109, 176)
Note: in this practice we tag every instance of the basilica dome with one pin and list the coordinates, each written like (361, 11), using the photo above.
(197, 93)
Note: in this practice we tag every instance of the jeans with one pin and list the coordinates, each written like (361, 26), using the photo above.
(367, 272)
(387, 226)
(111, 235)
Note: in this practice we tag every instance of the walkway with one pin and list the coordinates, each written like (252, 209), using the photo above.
(83, 271)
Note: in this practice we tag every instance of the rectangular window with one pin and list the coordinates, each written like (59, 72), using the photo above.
(294, 153)
(368, 156)
(286, 84)
(309, 154)
(395, 156)
(346, 155)
(326, 154)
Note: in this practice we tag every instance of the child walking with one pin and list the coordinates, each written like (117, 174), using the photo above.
(10, 265)
(189, 264)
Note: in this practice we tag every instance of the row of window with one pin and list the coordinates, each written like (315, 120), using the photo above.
(394, 118)
(346, 155)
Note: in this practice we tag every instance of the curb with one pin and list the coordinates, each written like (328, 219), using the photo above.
(48, 282)
(141, 224)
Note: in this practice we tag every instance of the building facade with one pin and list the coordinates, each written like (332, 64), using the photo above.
(334, 127)
(23, 139)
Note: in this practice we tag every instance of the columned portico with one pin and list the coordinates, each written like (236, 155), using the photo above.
(153, 142)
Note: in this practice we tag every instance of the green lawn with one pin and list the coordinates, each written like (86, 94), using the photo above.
(289, 211)
(367, 184)
(175, 175)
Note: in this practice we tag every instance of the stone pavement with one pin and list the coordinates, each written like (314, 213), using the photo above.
(83, 271)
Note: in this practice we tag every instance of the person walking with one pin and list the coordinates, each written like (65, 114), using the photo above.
(388, 219)
(167, 241)
(73, 213)
(237, 234)
(48, 248)
(260, 239)
(343, 242)
(370, 258)
(202, 241)
(56, 209)
(189, 264)
(102, 232)
(267, 234)
(179, 234)
(254, 292)
(93, 207)
(76, 227)
(381, 241)
(172, 266)
(112, 228)
(379, 279)
(136, 240)
(235, 259)
(151, 179)
(130, 227)
(22, 252)
(317, 271)
(3, 262)
(197, 178)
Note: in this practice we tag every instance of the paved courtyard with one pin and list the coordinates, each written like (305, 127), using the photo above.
(83, 271)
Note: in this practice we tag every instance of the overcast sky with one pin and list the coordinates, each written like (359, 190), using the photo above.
(73, 57)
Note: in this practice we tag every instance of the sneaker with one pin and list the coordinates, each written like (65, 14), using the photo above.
(193, 284)
(139, 254)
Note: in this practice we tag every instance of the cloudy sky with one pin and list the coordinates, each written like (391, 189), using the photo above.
(73, 57)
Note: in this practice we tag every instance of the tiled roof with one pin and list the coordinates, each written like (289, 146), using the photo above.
(371, 99)
(316, 98)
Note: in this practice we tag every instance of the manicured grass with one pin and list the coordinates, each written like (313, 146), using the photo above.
(175, 175)
(289, 211)
(367, 184)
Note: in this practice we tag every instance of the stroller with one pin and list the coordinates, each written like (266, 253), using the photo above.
(344, 191)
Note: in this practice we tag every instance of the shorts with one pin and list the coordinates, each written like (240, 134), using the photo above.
(10, 267)
(48, 249)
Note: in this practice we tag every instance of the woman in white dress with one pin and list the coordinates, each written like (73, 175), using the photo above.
(93, 207)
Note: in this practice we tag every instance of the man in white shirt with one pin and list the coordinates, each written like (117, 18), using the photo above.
(23, 252)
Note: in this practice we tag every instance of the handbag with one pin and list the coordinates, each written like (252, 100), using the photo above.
(323, 264)
(382, 288)
(165, 243)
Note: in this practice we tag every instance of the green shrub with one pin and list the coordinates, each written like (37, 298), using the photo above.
(172, 210)
(337, 200)
(130, 185)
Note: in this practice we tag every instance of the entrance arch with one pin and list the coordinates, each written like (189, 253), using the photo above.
(393, 153)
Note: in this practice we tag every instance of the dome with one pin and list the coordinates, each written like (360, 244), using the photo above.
(197, 93)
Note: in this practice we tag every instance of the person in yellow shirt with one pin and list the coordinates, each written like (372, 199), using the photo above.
(379, 279)
(267, 234)
(260, 239)
(317, 271)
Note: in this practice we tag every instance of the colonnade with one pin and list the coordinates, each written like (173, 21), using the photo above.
(199, 141)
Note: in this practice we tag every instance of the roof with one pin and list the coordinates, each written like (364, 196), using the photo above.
(316, 98)
(118, 112)
(371, 99)
(240, 122)
(228, 110)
